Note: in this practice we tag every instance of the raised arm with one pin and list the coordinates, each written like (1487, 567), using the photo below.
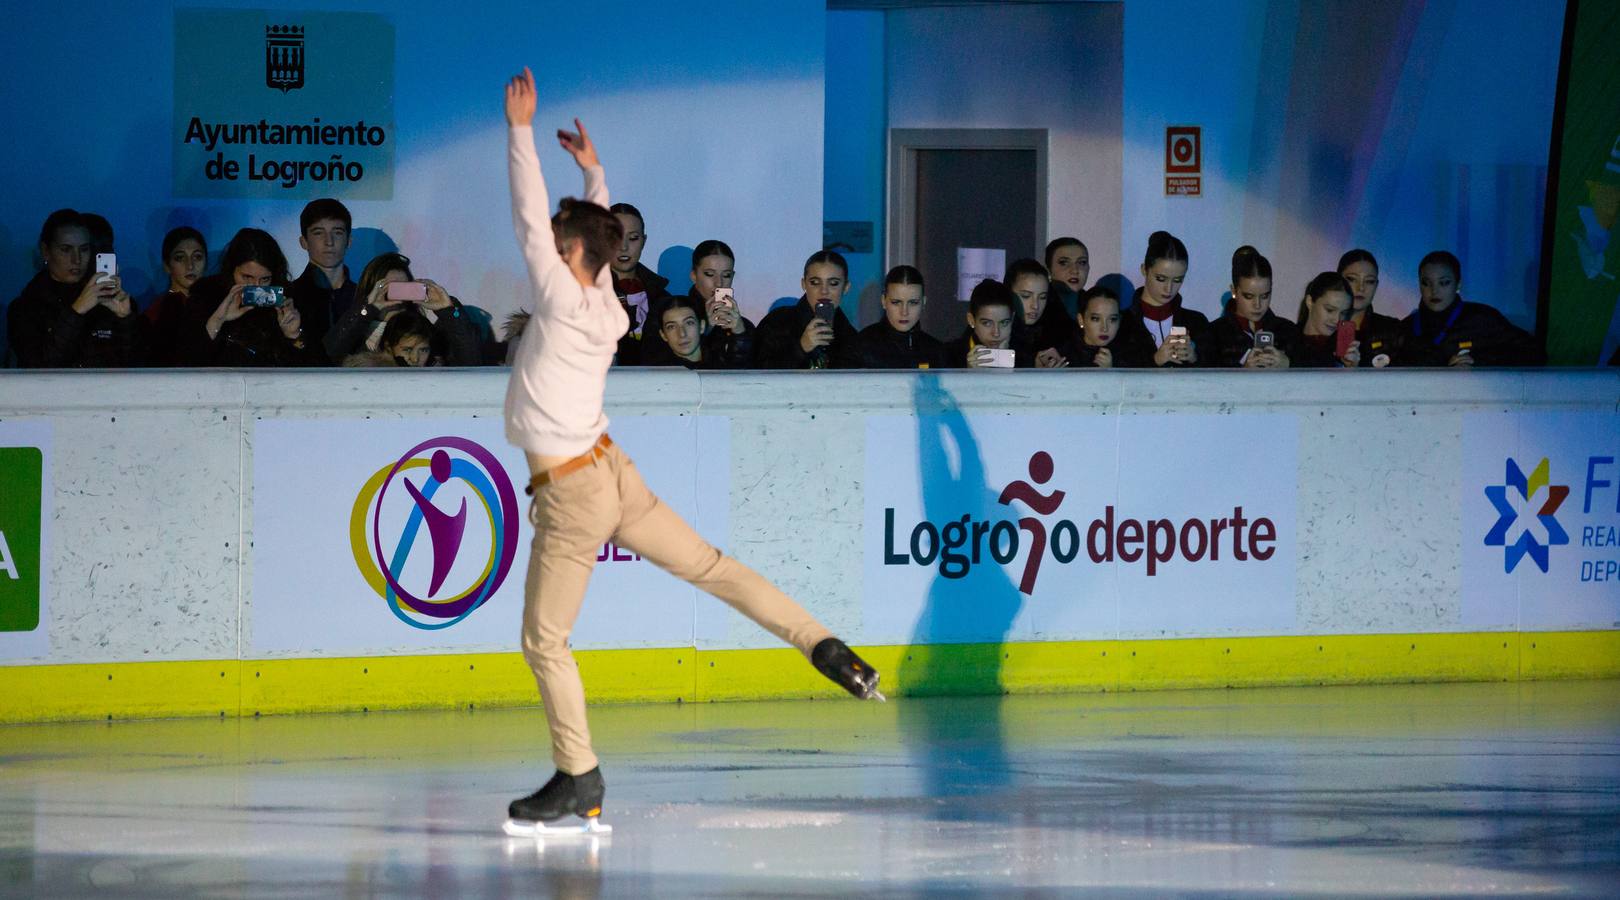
(580, 146)
(531, 207)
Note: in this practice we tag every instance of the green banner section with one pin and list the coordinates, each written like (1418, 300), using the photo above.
(1583, 324)
(21, 473)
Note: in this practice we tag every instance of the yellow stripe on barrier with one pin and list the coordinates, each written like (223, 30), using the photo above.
(249, 687)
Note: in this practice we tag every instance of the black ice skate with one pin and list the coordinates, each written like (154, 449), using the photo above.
(563, 795)
(833, 658)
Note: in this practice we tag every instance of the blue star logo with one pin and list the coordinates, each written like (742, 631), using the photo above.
(1528, 488)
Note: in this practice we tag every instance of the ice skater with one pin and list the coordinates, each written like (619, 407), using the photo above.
(586, 491)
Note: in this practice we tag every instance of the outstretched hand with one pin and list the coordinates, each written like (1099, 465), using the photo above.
(578, 144)
(520, 99)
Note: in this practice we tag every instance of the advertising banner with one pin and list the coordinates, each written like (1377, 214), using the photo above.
(375, 536)
(283, 104)
(25, 506)
(1541, 520)
(990, 528)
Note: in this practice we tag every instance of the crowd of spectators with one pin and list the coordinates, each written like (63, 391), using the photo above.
(1044, 314)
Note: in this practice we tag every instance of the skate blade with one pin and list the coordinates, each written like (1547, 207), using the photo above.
(878, 696)
(518, 828)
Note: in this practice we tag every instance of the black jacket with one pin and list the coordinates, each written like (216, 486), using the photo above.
(1380, 335)
(884, 348)
(721, 349)
(255, 340)
(956, 352)
(455, 338)
(1126, 354)
(1230, 340)
(776, 344)
(167, 320)
(631, 347)
(46, 333)
(1432, 339)
(319, 304)
(1133, 328)
(1055, 328)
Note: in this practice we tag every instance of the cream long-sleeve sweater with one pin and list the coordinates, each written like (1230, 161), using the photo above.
(554, 397)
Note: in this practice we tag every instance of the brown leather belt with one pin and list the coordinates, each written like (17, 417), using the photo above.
(571, 466)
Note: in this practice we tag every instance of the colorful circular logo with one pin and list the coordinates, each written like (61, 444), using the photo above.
(446, 460)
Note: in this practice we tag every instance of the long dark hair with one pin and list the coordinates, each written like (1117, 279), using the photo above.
(255, 245)
(1325, 283)
(1163, 245)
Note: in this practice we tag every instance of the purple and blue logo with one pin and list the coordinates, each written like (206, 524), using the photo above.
(383, 563)
(1509, 520)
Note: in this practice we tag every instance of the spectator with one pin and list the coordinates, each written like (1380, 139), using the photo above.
(636, 285)
(992, 309)
(729, 335)
(410, 340)
(683, 337)
(1157, 321)
(324, 293)
(1328, 303)
(225, 331)
(813, 333)
(1248, 334)
(1379, 335)
(185, 258)
(1043, 329)
(361, 328)
(1100, 342)
(1446, 330)
(897, 340)
(66, 316)
(1070, 264)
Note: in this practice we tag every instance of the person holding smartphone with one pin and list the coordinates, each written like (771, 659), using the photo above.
(386, 288)
(988, 341)
(241, 316)
(1328, 336)
(71, 315)
(586, 490)
(1248, 334)
(1170, 335)
(1380, 336)
(681, 336)
(1045, 329)
(813, 333)
(897, 340)
(728, 336)
(1446, 330)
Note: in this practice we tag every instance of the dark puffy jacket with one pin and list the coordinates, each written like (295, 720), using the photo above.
(46, 333)
(884, 348)
(776, 345)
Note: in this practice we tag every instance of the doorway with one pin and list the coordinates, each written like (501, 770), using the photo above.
(963, 188)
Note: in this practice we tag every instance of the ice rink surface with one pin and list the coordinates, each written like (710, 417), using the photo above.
(1431, 790)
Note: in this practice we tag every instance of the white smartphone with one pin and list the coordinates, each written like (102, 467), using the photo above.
(1178, 333)
(999, 359)
(724, 296)
(106, 266)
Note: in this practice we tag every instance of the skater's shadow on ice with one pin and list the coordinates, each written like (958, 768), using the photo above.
(960, 753)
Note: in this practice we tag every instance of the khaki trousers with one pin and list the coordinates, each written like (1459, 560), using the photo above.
(573, 517)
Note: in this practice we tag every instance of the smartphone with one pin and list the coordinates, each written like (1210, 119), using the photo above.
(257, 295)
(825, 311)
(1265, 340)
(1178, 333)
(724, 297)
(1343, 338)
(106, 266)
(413, 291)
(999, 359)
